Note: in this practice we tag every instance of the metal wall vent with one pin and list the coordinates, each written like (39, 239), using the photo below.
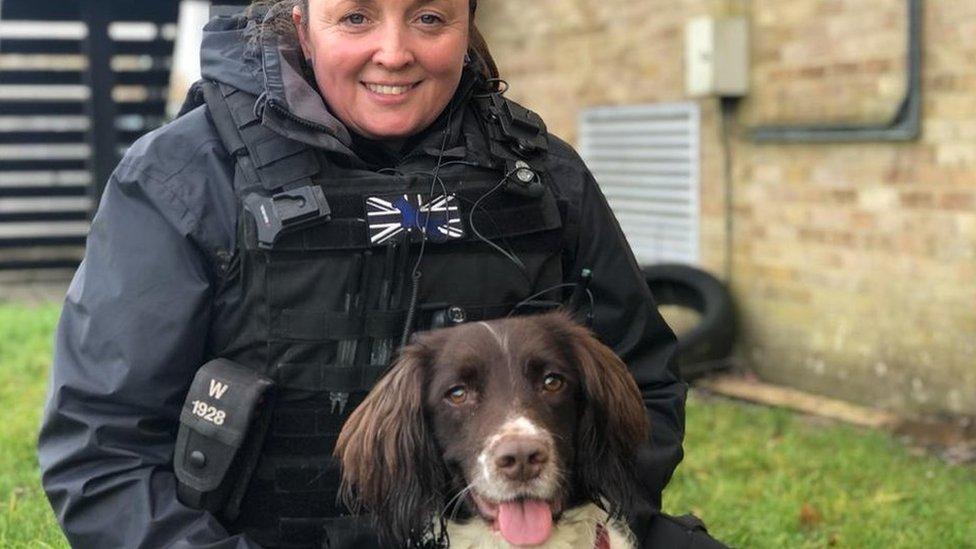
(646, 160)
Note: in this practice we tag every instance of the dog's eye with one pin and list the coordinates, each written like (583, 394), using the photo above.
(553, 383)
(457, 394)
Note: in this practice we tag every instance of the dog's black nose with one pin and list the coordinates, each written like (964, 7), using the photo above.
(521, 459)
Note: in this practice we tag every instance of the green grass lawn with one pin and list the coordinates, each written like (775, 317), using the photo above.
(25, 355)
(759, 477)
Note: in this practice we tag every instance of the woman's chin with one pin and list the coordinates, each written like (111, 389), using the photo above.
(390, 128)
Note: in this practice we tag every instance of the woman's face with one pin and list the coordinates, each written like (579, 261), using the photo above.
(386, 68)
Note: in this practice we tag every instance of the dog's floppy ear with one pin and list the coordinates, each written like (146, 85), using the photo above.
(390, 462)
(613, 424)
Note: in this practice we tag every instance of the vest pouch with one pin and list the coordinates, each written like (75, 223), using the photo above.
(222, 427)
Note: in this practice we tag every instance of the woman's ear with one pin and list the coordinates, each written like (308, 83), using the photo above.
(301, 30)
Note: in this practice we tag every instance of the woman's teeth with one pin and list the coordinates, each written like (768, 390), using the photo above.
(388, 90)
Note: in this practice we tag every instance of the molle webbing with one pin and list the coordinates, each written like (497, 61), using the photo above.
(264, 158)
(504, 216)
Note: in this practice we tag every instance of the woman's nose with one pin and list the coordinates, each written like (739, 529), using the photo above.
(394, 50)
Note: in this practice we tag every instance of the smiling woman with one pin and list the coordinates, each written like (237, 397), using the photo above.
(346, 173)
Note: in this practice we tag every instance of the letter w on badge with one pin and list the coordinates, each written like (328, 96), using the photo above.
(217, 389)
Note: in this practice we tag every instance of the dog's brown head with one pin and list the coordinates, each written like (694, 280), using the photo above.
(512, 420)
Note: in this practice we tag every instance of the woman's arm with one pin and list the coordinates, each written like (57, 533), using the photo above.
(132, 334)
(627, 319)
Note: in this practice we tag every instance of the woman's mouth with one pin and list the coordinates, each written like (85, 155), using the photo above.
(389, 89)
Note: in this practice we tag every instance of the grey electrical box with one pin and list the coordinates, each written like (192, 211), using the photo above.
(717, 57)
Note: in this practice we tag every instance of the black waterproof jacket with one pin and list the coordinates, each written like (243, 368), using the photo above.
(136, 319)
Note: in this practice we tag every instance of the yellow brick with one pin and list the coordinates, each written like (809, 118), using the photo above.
(840, 250)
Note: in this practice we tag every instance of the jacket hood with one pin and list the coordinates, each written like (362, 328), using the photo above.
(288, 102)
(225, 56)
(272, 71)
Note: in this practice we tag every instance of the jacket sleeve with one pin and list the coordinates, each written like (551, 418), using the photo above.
(131, 336)
(627, 319)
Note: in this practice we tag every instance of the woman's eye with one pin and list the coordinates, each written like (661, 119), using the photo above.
(457, 395)
(553, 383)
(355, 19)
(429, 19)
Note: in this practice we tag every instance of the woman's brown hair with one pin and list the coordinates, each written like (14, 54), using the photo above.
(278, 21)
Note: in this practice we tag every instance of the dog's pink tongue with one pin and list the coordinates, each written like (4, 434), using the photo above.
(527, 522)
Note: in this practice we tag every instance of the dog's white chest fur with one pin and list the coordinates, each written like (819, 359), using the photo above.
(577, 529)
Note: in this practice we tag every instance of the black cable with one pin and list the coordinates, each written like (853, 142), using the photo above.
(589, 294)
(505, 243)
(510, 256)
(507, 253)
(500, 90)
(416, 274)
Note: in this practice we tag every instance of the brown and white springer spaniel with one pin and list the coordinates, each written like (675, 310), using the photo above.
(519, 432)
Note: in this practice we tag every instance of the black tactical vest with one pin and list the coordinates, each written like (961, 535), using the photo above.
(323, 282)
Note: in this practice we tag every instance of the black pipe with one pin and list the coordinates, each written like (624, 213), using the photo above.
(905, 126)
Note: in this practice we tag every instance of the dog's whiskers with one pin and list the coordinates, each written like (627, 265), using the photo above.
(457, 500)
(457, 506)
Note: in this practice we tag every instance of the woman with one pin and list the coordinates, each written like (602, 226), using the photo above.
(352, 177)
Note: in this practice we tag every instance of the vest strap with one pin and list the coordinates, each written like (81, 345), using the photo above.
(348, 230)
(514, 132)
(264, 158)
(344, 378)
(299, 325)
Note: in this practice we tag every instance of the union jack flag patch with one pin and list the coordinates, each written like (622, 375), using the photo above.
(439, 218)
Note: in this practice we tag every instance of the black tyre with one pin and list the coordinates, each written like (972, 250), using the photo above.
(708, 345)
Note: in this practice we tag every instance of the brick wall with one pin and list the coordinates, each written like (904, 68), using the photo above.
(853, 265)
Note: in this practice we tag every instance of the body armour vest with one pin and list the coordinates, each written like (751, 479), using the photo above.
(334, 263)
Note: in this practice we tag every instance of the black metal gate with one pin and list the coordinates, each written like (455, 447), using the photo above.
(80, 80)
